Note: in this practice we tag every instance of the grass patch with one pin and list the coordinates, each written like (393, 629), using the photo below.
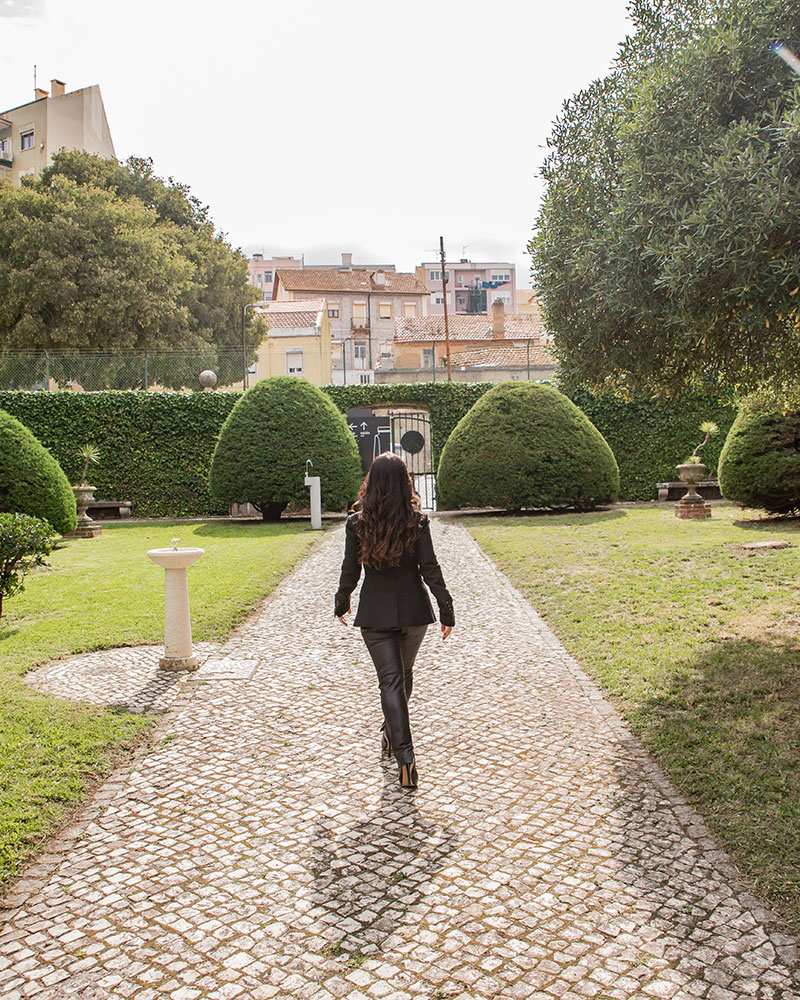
(97, 594)
(699, 645)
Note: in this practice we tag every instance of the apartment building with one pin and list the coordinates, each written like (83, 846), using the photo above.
(472, 287)
(298, 342)
(31, 133)
(362, 306)
(482, 348)
(261, 272)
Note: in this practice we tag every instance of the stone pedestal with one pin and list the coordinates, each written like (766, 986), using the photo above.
(692, 506)
(87, 528)
(692, 509)
(178, 650)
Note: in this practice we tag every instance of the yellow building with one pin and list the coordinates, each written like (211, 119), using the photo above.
(298, 341)
(31, 133)
(526, 301)
(482, 348)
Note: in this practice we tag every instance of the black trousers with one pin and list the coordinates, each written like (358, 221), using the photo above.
(393, 651)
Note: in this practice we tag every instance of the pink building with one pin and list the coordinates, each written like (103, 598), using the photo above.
(262, 272)
(471, 287)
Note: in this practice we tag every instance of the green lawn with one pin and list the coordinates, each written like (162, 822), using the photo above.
(699, 645)
(96, 594)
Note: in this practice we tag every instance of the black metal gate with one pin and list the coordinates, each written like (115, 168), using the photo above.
(410, 433)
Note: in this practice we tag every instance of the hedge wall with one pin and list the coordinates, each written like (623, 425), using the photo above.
(157, 447)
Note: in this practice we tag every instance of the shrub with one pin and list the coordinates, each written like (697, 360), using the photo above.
(24, 542)
(526, 445)
(263, 446)
(31, 480)
(760, 461)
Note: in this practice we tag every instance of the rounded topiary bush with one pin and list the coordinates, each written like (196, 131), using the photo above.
(264, 443)
(31, 480)
(760, 461)
(526, 445)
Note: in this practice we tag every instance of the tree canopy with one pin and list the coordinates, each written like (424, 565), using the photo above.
(100, 256)
(667, 250)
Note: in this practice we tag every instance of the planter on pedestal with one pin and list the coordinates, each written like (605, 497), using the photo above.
(87, 528)
(692, 505)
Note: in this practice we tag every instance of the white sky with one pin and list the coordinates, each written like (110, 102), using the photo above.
(317, 126)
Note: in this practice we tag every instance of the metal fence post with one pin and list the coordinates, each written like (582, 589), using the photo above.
(146, 375)
(46, 371)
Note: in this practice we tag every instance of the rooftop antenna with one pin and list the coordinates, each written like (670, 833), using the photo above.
(464, 250)
(35, 88)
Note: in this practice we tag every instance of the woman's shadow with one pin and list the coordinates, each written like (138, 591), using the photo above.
(374, 873)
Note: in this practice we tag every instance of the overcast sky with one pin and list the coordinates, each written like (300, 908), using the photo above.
(319, 127)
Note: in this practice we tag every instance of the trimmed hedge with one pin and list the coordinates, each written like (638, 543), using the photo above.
(525, 445)
(155, 447)
(264, 444)
(170, 479)
(760, 462)
(31, 480)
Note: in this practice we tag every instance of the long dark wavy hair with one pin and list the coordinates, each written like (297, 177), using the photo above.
(388, 513)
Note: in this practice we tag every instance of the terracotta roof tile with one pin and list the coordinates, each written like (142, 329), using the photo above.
(518, 326)
(511, 356)
(289, 313)
(323, 279)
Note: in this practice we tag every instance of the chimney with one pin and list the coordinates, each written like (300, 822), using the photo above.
(39, 94)
(347, 260)
(379, 278)
(498, 320)
(57, 88)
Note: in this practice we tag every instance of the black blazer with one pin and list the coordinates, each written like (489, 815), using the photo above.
(394, 597)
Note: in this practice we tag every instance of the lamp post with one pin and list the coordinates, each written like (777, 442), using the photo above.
(248, 305)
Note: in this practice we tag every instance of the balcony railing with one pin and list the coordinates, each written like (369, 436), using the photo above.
(359, 324)
(6, 157)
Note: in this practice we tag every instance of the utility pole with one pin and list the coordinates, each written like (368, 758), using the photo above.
(446, 326)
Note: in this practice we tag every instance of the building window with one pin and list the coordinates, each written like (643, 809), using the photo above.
(294, 362)
(26, 140)
(364, 379)
(333, 312)
(258, 280)
(501, 277)
(360, 312)
(409, 308)
(385, 310)
(5, 145)
(268, 277)
(437, 275)
(360, 354)
(427, 357)
(438, 300)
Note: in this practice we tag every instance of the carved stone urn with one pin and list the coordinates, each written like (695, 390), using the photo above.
(691, 504)
(87, 528)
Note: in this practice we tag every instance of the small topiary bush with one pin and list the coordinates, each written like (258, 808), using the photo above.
(31, 480)
(24, 543)
(760, 461)
(264, 443)
(526, 445)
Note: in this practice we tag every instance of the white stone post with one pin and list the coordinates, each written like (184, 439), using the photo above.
(178, 650)
(316, 498)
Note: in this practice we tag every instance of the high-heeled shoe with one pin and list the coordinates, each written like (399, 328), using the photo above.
(386, 742)
(408, 774)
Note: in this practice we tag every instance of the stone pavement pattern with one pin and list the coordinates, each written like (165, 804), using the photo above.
(262, 849)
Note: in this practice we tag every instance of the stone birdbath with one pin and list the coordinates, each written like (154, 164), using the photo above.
(178, 650)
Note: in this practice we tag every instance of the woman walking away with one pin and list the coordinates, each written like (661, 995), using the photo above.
(391, 538)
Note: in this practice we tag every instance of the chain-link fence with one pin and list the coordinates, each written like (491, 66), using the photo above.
(47, 371)
(180, 371)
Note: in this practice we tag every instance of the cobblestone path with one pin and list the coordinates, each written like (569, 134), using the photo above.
(262, 849)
